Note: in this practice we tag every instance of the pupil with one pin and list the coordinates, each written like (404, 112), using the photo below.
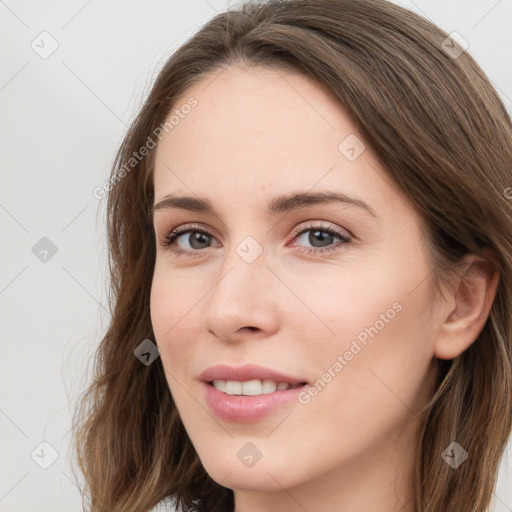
(200, 238)
(322, 235)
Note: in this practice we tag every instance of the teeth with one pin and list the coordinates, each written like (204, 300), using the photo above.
(268, 386)
(220, 385)
(251, 387)
(233, 387)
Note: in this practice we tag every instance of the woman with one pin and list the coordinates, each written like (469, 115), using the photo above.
(311, 267)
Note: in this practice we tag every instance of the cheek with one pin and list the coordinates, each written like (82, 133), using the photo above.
(372, 373)
(174, 311)
(373, 353)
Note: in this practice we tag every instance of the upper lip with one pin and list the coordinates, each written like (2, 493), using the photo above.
(245, 373)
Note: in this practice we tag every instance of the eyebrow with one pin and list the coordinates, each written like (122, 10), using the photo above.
(279, 204)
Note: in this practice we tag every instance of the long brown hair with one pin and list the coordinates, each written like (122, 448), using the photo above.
(445, 137)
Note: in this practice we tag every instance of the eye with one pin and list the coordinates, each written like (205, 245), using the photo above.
(321, 239)
(199, 240)
(188, 240)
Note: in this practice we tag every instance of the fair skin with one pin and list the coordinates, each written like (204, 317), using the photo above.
(256, 134)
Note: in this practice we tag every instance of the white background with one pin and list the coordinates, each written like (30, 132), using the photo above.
(62, 119)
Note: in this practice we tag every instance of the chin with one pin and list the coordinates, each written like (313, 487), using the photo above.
(225, 467)
(247, 479)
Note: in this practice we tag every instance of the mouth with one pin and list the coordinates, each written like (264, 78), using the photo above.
(248, 393)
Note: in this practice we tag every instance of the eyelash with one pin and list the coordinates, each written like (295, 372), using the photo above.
(175, 233)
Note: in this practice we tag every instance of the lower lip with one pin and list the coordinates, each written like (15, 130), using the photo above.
(247, 409)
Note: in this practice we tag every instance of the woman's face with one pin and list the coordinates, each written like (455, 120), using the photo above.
(327, 296)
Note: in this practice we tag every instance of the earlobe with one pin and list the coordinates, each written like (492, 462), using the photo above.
(473, 294)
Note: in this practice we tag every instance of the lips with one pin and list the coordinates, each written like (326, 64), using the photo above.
(248, 393)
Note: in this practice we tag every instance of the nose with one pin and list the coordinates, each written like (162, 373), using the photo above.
(244, 300)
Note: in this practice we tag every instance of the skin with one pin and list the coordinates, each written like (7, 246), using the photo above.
(255, 134)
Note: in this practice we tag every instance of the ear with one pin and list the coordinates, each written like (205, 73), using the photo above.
(467, 308)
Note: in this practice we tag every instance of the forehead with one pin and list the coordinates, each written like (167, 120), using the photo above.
(254, 130)
(240, 106)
